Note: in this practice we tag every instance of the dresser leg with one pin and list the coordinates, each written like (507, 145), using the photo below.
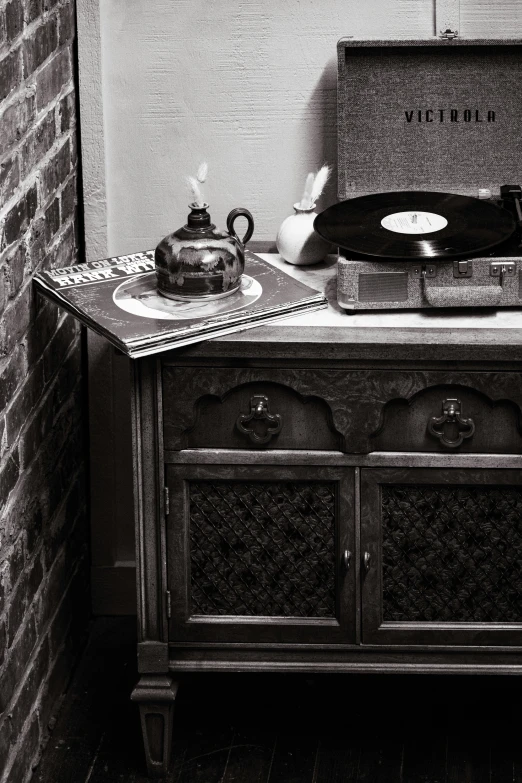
(155, 694)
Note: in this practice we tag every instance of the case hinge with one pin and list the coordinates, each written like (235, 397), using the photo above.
(448, 34)
(168, 603)
(424, 270)
(167, 501)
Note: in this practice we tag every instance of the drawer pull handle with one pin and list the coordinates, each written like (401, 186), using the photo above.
(248, 423)
(451, 428)
(367, 562)
(347, 559)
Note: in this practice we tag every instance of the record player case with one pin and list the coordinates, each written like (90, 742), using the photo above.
(428, 116)
(328, 497)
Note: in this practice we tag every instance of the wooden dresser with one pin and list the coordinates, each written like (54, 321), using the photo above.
(332, 493)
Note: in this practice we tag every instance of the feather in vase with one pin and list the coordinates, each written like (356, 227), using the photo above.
(195, 185)
(314, 186)
(321, 178)
(305, 200)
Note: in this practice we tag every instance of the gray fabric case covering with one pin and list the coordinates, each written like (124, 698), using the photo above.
(393, 286)
(379, 151)
(378, 81)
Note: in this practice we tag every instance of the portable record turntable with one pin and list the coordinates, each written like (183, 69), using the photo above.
(424, 127)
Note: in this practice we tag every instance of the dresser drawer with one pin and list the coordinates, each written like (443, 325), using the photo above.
(355, 411)
(239, 408)
(453, 412)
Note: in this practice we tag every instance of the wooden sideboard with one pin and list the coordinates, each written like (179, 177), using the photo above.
(332, 493)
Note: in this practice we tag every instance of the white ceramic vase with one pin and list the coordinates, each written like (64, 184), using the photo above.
(297, 242)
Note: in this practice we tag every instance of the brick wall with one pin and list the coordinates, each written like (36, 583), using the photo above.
(43, 531)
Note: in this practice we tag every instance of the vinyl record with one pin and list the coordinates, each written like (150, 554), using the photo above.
(415, 224)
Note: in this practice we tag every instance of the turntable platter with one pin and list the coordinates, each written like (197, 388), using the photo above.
(415, 224)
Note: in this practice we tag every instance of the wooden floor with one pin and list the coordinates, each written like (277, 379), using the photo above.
(287, 728)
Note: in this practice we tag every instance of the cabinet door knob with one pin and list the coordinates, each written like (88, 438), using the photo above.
(367, 561)
(347, 559)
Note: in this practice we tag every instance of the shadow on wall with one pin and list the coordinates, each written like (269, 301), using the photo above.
(322, 113)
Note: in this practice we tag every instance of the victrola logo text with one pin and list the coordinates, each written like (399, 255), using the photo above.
(450, 115)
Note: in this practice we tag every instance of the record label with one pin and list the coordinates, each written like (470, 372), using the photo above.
(414, 222)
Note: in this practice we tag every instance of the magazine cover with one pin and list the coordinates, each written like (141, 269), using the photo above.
(117, 298)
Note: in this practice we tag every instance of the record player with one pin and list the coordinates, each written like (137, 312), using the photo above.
(428, 149)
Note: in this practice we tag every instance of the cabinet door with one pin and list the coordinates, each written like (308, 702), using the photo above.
(443, 556)
(261, 553)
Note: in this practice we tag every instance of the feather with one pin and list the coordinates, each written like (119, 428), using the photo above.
(305, 201)
(202, 172)
(320, 181)
(197, 197)
(194, 185)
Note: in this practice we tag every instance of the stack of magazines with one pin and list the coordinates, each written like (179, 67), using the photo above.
(118, 299)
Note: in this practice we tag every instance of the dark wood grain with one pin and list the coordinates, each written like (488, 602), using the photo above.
(227, 725)
(147, 446)
(380, 760)
(404, 423)
(337, 758)
(375, 460)
(294, 759)
(506, 751)
(424, 754)
(366, 344)
(101, 685)
(306, 423)
(250, 757)
(469, 759)
(206, 756)
(373, 410)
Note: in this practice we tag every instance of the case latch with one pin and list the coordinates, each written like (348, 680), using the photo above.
(462, 269)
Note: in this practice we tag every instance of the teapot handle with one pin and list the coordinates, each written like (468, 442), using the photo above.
(240, 212)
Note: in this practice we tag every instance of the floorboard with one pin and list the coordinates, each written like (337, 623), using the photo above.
(337, 758)
(250, 757)
(380, 760)
(294, 758)
(264, 728)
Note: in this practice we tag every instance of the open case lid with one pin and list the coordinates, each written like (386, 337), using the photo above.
(436, 114)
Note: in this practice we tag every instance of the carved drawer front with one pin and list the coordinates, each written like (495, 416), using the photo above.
(261, 554)
(478, 413)
(243, 409)
(443, 556)
(357, 411)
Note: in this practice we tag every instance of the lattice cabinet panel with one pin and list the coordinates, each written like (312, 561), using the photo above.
(273, 547)
(452, 554)
(263, 548)
(444, 554)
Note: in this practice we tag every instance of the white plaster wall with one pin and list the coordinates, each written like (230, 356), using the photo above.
(249, 86)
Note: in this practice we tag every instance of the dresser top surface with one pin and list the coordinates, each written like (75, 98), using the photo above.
(474, 333)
